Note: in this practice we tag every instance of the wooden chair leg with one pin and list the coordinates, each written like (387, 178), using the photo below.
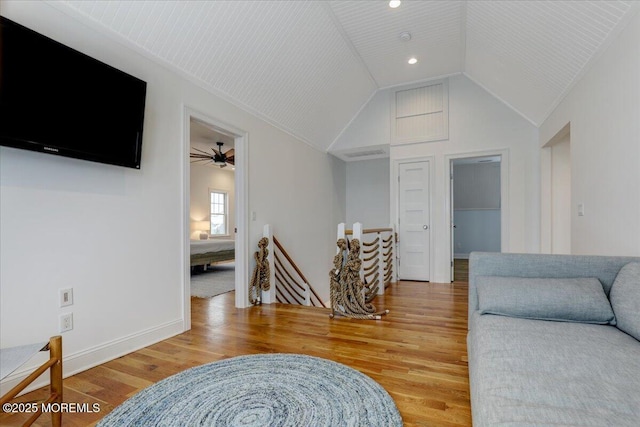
(55, 349)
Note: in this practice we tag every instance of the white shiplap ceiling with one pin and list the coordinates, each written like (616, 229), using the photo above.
(308, 67)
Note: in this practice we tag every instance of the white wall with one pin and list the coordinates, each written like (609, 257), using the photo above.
(561, 196)
(116, 235)
(371, 127)
(368, 193)
(604, 112)
(204, 178)
(479, 124)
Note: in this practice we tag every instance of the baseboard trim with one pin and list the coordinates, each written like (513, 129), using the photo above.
(97, 355)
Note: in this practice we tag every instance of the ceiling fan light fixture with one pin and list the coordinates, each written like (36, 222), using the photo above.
(217, 157)
(394, 4)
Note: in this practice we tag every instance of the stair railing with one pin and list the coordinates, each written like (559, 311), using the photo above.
(292, 287)
(377, 254)
(289, 285)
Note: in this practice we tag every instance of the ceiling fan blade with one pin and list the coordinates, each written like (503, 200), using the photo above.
(203, 152)
(231, 160)
(218, 153)
(230, 153)
(199, 156)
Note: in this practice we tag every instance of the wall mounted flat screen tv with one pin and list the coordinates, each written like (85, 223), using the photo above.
(56, 100)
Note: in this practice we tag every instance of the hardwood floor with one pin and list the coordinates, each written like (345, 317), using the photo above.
(461, 269)
(417, 352)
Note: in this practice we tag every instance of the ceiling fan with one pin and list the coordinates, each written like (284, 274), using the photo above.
(217, 158)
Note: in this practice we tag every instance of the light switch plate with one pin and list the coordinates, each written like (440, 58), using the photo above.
(66, 297)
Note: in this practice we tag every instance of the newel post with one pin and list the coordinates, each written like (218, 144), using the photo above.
(341, 233)
(357, 234)
(396, 254)
(269, 297)
(381, 263)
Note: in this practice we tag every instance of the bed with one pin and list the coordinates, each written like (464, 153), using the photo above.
(212, 251)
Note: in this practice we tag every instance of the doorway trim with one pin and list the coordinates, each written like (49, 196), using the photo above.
(504, 195)
(546, 182)
(241, 145)
(395, 204)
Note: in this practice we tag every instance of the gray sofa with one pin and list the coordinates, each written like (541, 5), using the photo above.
(554, 340)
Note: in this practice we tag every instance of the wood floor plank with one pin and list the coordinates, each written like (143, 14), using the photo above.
(417, 352)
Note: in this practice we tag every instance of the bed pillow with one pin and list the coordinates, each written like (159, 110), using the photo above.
(625, 299)
(565, 300)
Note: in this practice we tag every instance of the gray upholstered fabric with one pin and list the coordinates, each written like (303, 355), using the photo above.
(603, 268)
(531, 372)
(564, 300)
(625, 299)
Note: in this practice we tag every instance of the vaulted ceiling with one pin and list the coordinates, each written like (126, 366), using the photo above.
(308, 67)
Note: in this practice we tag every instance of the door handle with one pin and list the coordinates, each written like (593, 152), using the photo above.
(424, 227)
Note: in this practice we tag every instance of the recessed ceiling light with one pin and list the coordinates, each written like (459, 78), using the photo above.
(412, 61)
(394, 3)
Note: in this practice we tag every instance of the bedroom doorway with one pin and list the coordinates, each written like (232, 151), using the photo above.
(215, 206)
(477, 194)
(211, 210)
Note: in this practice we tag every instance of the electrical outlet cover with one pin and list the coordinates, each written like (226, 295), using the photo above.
(66, 322)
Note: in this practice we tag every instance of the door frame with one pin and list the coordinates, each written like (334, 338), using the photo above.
(504, 195)
(395, 205)
(241, 157)
(546, 182)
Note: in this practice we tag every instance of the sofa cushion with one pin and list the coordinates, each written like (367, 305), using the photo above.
(565, 300)
(625, 299)
(529, 372)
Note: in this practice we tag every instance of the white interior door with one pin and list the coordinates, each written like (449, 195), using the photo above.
(414, 224)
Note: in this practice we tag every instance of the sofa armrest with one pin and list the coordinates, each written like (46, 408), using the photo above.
(605, 268)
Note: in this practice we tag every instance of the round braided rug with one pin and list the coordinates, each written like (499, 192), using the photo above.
(261, 390)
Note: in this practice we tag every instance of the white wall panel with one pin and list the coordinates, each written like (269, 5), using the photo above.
(361, 132)
(418, 101)
(368, 193)
(420, 113)
(425, 127)
(603, 110)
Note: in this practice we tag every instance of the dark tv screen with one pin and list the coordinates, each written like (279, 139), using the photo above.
(56, 100)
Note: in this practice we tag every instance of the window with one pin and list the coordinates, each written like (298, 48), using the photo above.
(218, 213)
